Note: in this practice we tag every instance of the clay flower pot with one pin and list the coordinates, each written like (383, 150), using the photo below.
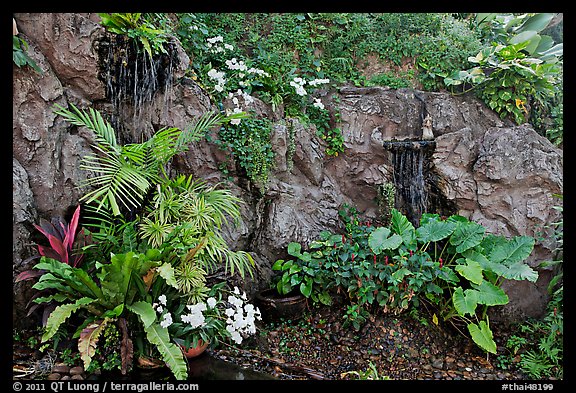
(192, 352)
(275, 306)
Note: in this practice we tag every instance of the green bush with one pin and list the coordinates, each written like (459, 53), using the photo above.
(450, 263)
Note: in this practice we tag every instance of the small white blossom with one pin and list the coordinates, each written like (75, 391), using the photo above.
(316, 82)
(214, 40)
(166, 321)
(162, 299)
(211, 302)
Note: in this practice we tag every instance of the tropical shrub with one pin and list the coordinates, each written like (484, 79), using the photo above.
(450, 263)
(519, 67)
(159, 237)
(152, 39)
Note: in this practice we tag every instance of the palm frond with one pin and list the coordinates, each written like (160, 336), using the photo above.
(163, 144)
(199, 129)
(94, 121)
(117, 181)
(224, 204)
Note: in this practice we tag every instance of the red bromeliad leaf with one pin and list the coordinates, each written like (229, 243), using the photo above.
(61, 237)
(71, 230)
(58, 247)
(29, 274)
(49, 252)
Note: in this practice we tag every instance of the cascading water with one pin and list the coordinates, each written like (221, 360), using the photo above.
(410, 160)
(133, 79)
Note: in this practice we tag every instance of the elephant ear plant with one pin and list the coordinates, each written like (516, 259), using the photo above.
(449, 263)
(470, 266)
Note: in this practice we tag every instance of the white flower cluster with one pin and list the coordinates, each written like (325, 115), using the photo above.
(316, 82)
(219, 77)
(298, 84)
(318, 104)
(241, 317)
(215, 47)
(159, 307)
(237, 108)
(195, 317)
(234, 64)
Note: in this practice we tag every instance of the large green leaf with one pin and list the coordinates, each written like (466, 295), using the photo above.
(294, 249)
(536, 22)
(467, 235)
(306, 286)
(61, 314)
(489, 294)
(434, 230)
(379, 241)
(116, 276)
(72, 277)
(520, 271)
(472, 271)
(482, 336)
(170, 352)
(514, 250)
(166, 271)
(448, 275)
(399, 274)
(145, 312)
(486, 265)
(464, 301)
(400, 224)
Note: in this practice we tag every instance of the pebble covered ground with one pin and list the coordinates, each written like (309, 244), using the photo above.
(317, 346)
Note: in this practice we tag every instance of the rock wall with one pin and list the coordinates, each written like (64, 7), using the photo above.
(500, 175)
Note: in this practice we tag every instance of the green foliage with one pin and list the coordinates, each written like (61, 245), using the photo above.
(19, 55)
(160, 337)
(517, 69)
(122, 285)
(187, 216)
(306, 275)
(320, 117)
(287, 46)
(450, 263)
(391, 81)
(250, 144)
(318, 44)
(123, 175)
(152, 39)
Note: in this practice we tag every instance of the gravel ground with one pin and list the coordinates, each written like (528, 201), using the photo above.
(316, 346)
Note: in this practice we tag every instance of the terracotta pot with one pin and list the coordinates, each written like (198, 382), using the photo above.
(192, 352)
(275, 306)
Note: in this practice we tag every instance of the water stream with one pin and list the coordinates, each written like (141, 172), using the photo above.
(411, 161)
(133, 79)
(202, 368)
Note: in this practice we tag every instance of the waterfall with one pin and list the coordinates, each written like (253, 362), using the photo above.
(410, 162)
(133, 79)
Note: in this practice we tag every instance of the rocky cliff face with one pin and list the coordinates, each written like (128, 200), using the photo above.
(500, 175)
